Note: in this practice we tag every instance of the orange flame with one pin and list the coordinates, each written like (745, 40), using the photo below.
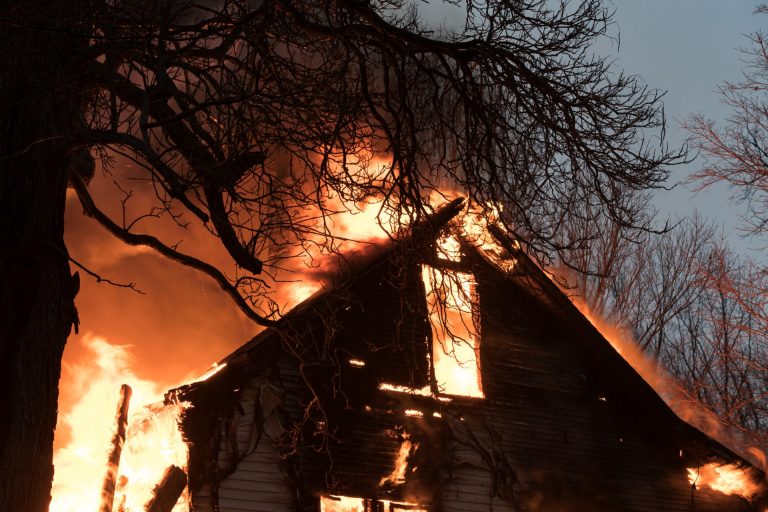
(727, 479)
(341, 504)
(401, 463)
(153, 441)
(454, 347)
(348, 504)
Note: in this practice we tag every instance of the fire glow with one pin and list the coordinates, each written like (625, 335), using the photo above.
(348, 504)
(454, 345)
(401, 463)
(153, 441)
(727, 479)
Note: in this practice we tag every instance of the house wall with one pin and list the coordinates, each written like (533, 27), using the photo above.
(578, 434)
(257, 484)
(563, 427)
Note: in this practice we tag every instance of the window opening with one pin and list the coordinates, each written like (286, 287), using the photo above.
(349, 504)
(455, 333)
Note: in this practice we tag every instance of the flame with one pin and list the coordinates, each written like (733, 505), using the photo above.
(727, 479)
(341, 504)
(215, 368)
(454, 345)
(355, 227)
(153, 441)
(425, 391)
(401, 462)
(474, 227)
(449, 248)
(348, 504)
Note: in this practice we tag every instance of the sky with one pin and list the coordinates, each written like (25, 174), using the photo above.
(184, 322)
(688, 48)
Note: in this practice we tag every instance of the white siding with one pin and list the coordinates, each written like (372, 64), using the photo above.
(258, 484)
(469, 490)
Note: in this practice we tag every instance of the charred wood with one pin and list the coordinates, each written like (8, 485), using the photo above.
(169, 489)
(110, 480)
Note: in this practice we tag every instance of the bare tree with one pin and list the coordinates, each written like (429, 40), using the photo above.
(724, 363)
(736, 153)
(254, 119)
(728, 352)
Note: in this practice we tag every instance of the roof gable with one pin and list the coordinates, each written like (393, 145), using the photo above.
(497, 255)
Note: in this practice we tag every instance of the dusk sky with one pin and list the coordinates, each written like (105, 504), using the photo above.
(687, 48)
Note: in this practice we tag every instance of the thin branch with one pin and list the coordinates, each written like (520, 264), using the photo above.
(100, 279)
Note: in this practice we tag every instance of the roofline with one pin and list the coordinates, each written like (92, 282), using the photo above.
(536, 272)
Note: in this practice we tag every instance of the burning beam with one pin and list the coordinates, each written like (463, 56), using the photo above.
(110, 480)
(169, 489)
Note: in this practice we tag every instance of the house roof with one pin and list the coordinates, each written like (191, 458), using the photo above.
(615, 369)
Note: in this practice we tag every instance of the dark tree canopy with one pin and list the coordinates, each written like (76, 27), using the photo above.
(259, 119)
(252, 117)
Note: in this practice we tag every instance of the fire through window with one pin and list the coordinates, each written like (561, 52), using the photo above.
(349, 504)
(455, 331)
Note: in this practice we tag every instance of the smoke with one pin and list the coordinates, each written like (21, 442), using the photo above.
(181, 324)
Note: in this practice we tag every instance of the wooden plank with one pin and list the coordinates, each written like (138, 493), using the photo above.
(168, 490)
(118, 440)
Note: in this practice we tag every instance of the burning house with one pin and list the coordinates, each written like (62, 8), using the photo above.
(446, 372)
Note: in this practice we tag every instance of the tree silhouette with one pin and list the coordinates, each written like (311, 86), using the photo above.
(260, 119)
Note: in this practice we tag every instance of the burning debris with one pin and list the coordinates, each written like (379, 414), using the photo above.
(113, 464)
(137, 447)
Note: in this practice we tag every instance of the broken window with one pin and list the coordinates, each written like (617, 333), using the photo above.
(451, 304)
(348, 504)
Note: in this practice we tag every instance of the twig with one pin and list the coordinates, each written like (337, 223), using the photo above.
(100, 279)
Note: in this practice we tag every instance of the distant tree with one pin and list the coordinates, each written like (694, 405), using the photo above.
(251, 118)
(730, 344)
(736, 151)
(721, 345)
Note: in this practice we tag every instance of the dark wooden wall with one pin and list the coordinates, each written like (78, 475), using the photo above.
(565, 424)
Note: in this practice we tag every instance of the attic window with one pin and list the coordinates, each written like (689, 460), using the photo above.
(455, 332)
(347, 504)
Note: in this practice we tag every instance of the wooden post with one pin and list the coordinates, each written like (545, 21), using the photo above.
(108, 491)
(167, 492)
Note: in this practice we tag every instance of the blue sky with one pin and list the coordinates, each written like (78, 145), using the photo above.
(688, 47)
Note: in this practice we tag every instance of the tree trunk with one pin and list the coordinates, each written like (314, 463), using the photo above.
(40, 111)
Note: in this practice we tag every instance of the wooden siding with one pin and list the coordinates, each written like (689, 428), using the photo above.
(565, 426)
(469, 489)
(579, 434)
(257, 484)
